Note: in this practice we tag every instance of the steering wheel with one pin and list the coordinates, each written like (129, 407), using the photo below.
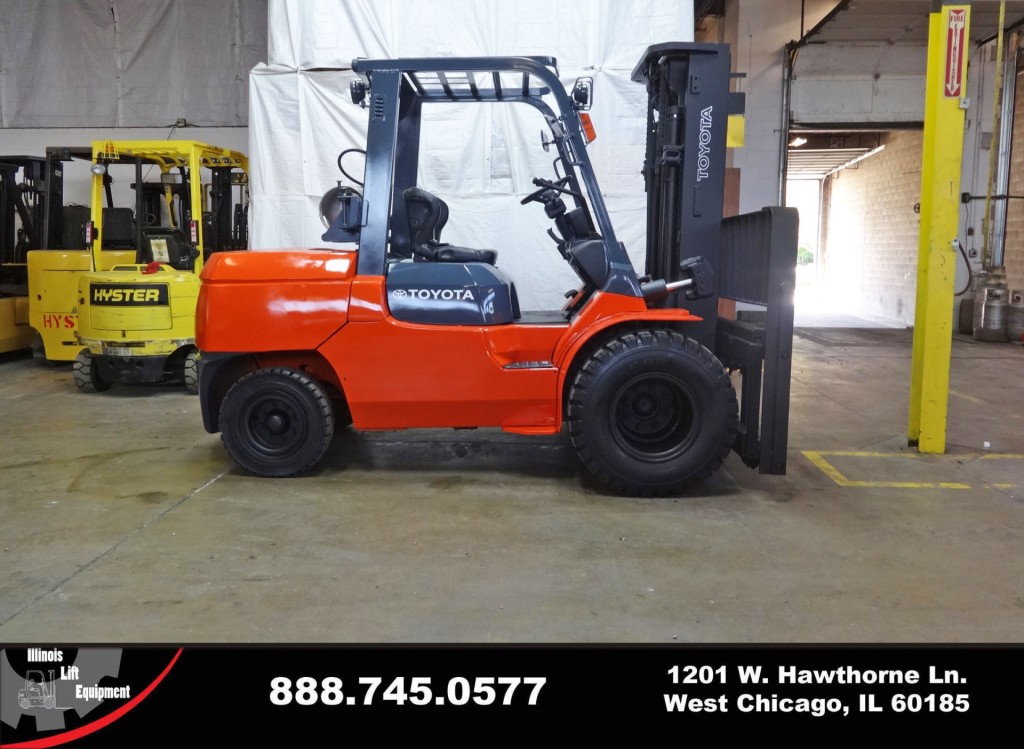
(545, 187)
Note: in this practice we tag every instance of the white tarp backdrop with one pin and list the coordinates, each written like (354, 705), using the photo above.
(128, 63)
(479, 158)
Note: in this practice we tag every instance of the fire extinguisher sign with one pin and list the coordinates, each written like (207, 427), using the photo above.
(956, 48)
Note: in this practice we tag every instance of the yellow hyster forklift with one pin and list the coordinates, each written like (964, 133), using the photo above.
(136, 319)
(32, 217)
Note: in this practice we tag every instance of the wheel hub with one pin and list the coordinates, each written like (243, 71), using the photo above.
(276, 423)
(647, 409)
(653, 417)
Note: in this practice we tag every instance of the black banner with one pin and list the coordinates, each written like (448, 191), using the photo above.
(511, 696)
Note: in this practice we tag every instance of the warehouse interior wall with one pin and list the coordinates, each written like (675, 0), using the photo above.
(860, 270)
(75, 71)
(128, 70)
(123, 63)
(757, 33)
(1014, 248)
(869, 258)
(870, 244)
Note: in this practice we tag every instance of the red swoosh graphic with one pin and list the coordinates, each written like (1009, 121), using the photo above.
(106, 720)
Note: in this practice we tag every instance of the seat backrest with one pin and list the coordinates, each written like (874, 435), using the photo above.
(74, 218)
(165, 244)
(118, 228)
(427, 215)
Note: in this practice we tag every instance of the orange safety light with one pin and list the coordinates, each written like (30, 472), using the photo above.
(588, 127)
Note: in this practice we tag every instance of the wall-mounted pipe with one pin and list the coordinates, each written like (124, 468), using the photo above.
(986, 224)
(1005, 152)
(788, 56)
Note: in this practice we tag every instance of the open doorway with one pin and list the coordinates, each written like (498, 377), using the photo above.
(858, 227)
(805, 196)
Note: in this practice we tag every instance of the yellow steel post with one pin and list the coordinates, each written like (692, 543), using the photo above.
(948, 38)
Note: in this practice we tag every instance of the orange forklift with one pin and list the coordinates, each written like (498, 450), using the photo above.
(408, 331)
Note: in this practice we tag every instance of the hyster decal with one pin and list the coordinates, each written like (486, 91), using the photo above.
(704, 144)
(447, 295)
(128, 294)
(54, 320)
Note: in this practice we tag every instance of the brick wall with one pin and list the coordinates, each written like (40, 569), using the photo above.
(1013, 255)
(871, 249)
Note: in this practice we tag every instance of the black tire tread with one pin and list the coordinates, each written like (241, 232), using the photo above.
(323, 407)
(595, 364)
(192, 372)
(86, 379)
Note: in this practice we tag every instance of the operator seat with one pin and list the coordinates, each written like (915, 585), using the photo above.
(427, 215)
(165, 244)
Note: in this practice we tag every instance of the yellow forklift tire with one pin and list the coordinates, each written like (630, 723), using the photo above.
(87, 377)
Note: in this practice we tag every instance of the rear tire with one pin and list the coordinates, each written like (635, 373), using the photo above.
(87, 376)
(652, 412)
(39, 350)
(192, 372)
(276, 422)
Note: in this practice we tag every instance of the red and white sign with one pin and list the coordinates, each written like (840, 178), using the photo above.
(956, 48)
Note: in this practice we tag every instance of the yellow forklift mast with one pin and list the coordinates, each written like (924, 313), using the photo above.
(136, 317)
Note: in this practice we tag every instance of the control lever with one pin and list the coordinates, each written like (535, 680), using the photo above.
(698, 282)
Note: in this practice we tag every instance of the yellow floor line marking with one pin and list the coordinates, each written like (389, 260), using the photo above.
(817, 457)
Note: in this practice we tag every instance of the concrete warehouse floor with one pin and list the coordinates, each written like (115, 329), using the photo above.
(122, 521)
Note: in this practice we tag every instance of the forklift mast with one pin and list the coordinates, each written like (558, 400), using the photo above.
(29, 186)
(753, 256)
(684, 166)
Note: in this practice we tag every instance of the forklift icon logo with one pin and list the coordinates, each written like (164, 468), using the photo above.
(37, 692)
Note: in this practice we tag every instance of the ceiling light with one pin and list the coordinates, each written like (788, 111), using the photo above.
(797, 142)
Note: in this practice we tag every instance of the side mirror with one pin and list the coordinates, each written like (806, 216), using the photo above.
(583, 93)
(170, 178)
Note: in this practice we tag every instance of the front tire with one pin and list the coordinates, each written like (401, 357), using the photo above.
(276, 422)
(652, 412)
(86, 374)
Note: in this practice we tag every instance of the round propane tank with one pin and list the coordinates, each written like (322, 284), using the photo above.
(995, 306)
(1015, 319)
